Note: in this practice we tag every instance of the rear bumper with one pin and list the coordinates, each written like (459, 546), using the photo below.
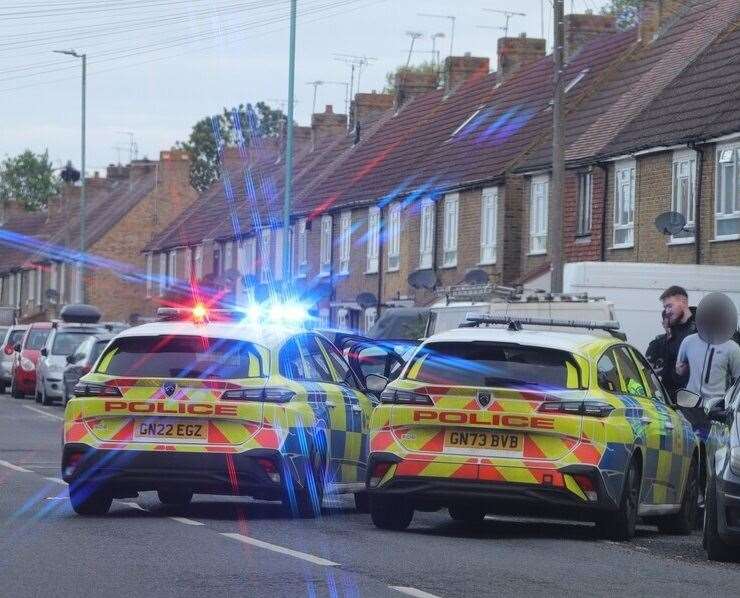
(728, 508)
(54, 388)
(25, 382)
(128, 472)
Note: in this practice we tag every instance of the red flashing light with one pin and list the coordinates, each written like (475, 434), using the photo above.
(200, 313)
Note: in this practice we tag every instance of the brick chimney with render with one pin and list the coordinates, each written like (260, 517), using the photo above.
(412, 84)
(516, 52)
(655, 14)
(582, 29)
(369, 107)
(326, 125)
(459, 69)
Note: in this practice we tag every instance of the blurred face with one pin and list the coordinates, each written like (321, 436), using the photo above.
(674, 309)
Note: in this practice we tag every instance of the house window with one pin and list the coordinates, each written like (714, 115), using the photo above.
(62, 282)
(228, 256)
(188, 274)
(278, 270)
(251, 256)
(727, 199)
(162, 273)
(302, 257)
(345, 241)
(373, 239)
(682, 201)
(325, 246)
(394, 237)
(171, 268)
(624, 204)
(488, 223)
(149, 274)
(324, 317)
(371, 315)
(198, 262)
(585, 201)
(217, 261)
(343, 318)
(265, 255)
(538, 214)
(451, 211)
(31, 292)
(39, 286)
(426, 236)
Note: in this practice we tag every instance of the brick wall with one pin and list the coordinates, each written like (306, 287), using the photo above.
(511, 229)
(585, 248)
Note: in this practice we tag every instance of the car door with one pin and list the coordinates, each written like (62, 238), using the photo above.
(357, 410)
(371, 357)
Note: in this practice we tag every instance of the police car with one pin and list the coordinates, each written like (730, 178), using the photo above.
(511, 420)
(217, 402)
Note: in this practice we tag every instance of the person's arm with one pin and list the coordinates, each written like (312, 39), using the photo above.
(734, 362)
(682, 365)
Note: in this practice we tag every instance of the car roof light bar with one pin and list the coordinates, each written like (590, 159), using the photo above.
(516, 322)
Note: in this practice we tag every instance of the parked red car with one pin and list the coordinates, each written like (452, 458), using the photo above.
(23, 374)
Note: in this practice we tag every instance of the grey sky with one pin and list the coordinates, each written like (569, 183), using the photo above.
(157, 66)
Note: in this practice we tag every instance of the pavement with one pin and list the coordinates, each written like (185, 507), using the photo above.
(227, 546)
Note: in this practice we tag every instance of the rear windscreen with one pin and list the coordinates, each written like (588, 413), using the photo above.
(494, 364)
(36, 339)
(65, 343)
(15, 337)
(182, 357)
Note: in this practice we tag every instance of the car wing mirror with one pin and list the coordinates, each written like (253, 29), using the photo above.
(687, 399)
(44, 352)
(716, 411)
(17, 348)
(74, 358)
(376, 383)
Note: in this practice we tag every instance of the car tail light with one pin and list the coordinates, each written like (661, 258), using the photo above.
(8, 350)
(84, 389)
(586, 484)
(379, 470)
(27, 365)
(269, 467)
(586, 408)
(266, 395)
(73, 462)
(404, 397)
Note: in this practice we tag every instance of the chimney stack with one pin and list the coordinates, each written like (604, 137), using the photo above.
(327, 125)
(369, 107)
(582, 29)
(459, 69)
(655, 14)
(410, 84)
(516, 52)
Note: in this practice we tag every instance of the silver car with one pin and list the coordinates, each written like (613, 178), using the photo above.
(10, 337)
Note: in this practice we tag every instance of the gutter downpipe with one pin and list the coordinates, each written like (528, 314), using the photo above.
(697, 216)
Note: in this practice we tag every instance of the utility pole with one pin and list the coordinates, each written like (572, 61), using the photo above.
(558, 152)
(80, 287)
(289, 146)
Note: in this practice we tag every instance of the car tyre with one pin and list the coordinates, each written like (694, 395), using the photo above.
(45, 400)
(175, 497)
(90, 501)
(467, 515)
(619, 526)
(362, 502)
(716, 549)
(14, 391)
(3, 388)
(305, 500)
(684, 522)
(391, 514)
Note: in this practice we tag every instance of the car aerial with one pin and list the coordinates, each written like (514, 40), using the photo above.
(77, 323)
(509, 420)
(199, 402)
(81, 360)
(26, 358)
(721, 532)
(12, 337)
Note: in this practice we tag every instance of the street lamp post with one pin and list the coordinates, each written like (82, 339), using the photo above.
(289, 146)
(80, 287)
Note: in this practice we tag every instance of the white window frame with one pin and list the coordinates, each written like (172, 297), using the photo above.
(228, 256)
(188, 274)
(162, 273)
(539, 205)
(373, 240)
(302, 251)
(625, 176)
(343, 319)
(683, 168)
(149, 274)
(324, 317)
(345, 241)
(371, 316)
(39, 285)
(584, 203)
(427, 223)
(62, 281)
(278, 257)
(31, 291)
(250, 249)
(198, 261)
(171, 268)
(394, 238)
(325, 246)
(488, 225)
(727, 201)
(451, 226)
(265, 254)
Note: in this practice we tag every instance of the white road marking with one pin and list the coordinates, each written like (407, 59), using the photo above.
(51, 415)
(275, 548)
(134, 505)
(186, 521)
(413, 592)
(14, 467)
(57, 480)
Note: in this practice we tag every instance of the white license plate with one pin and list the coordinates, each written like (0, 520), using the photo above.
(478, 442)
(171, 430)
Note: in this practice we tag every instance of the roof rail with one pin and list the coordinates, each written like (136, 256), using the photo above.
(473, 320)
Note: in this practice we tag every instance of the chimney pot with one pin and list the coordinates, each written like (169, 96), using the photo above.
(459, 69)
(655, 14)
(581, 29)
(410, 84)
(516, 52)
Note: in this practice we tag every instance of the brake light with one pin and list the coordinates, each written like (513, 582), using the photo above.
(378, 472)
(27, 365)
(73, 462)
(266, 395)
(8, 350)
(585, 408)
(586, 484)
(404, 397)
(84, 389)
(269, 467)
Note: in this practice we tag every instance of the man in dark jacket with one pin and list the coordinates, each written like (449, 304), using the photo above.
(678, 322)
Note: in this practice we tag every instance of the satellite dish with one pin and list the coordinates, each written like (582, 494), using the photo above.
(670, 223)
(365, 300)
(476, 276)
(716, 319)
(422, 279)
(261, 292)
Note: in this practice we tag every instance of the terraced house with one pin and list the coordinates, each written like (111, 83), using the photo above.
(452, 175)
